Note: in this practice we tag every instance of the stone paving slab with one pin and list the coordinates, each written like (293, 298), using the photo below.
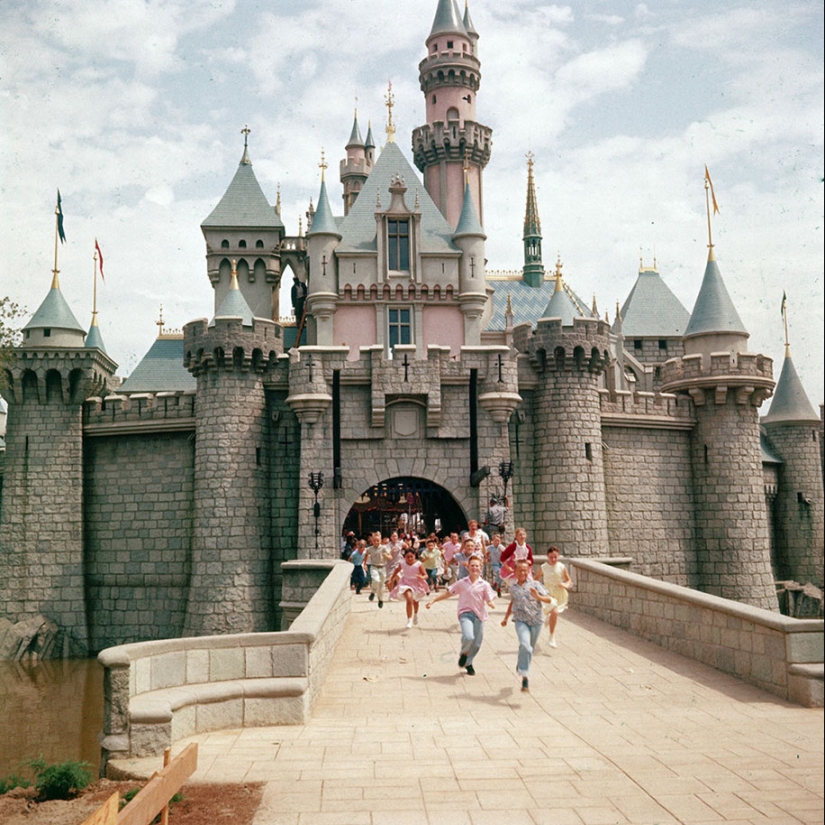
(614, 731)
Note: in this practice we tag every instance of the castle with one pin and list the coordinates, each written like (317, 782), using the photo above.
(412, 382)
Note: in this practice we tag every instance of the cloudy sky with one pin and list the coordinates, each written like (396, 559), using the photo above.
(133, 108)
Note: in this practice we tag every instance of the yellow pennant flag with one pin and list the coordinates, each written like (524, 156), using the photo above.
(712, 194)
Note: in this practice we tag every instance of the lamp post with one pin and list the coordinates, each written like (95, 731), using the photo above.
(316, 482)
(505, 470)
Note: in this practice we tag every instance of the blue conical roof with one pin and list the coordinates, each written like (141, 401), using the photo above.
(468, 223)
(714, 311)
(54, 313)
(234, 305)
(468, 23)
(369, 143)
(323, 223)
(561, 305)
(355, 138)
(94, 340)
(447, 19)
(790, 402)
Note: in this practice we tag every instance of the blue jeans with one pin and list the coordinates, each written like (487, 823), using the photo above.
(472, 635)
(528, 635)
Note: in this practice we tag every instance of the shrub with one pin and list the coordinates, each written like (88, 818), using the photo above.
(12, 781)
(62, 780)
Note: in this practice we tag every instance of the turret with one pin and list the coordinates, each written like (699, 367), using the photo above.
(232, 574)
(533, 265)
(450, 77)
(355, 169)
(792, 427)
(469, 237)
(322, 295)
(245, 227)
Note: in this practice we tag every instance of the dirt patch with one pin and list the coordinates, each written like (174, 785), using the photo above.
(203, 804)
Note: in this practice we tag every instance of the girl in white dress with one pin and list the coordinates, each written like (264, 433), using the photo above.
(410, 579)
(557, 580)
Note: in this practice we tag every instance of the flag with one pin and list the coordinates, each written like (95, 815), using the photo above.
(59, 213)
(784, 304)
(712, 195)
(100, 258)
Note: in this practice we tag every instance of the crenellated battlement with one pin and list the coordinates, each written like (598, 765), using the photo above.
(646, 409)
(439, 141)
(228, 344)
(584, 346)
(750, 375)
(139, 412)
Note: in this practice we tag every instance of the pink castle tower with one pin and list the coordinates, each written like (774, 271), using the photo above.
(450, 77)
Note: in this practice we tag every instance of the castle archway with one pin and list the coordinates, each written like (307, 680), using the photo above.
(420, 503)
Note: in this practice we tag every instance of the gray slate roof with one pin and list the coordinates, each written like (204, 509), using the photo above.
(528, 302)
(54, 313)
(468, 223)
(234, 305)
(357, 229)
(768, 456)
(94, 340)
(652, 310)
(714, 310)
(160, 370)
(790, 402)
(447, 19)
(561, 305)
(244, 204)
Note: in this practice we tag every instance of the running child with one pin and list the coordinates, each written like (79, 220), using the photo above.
(558, 582)
(410, 581)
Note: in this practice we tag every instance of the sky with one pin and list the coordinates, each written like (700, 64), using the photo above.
(134, 110)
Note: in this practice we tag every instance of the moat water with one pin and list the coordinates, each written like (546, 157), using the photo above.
(53, 709)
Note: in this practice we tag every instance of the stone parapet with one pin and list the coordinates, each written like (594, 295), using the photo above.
(582, 346)
(749, 375)
(140, 412)
(228, 344)
(439, 141)
(646, 409)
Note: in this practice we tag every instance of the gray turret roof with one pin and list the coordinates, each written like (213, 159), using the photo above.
(447, 19)
(714, 310)
(468, 23)
(369, 143)
(234, 305)
(790, 402)
(323, 222)
(528, 302)
(768, 456)
(161, 369)
(468, 223)
(54, 313)
(355, 138)
(561, 305)
(358, 227)
(244, 203)
(94, 340)
(652, 310)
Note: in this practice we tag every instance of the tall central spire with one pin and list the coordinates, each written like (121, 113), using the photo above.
(533, 267)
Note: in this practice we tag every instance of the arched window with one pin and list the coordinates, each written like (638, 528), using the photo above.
(242, 244)
(224, 244)
(259, 244)
(452, 113)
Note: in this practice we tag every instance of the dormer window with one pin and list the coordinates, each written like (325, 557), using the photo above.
(398, 245)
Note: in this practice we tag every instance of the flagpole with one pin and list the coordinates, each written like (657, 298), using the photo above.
(711, 256)
(785, 320)
(55, 282)
(94, 290)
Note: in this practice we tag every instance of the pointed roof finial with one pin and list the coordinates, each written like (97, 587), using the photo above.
(466, 166)
(390, 100)
(159, 322)
(278, 201)
(323, 165)
(233, 278)
(708, 199)
(785, 322)
(595, 309)
(300, 226)
(245, 159)
(559, 265)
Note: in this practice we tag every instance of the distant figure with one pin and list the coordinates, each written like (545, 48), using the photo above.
(496, 515)
(299, 294)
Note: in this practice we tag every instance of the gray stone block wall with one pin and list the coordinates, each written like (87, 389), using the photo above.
(798, 506)
(138, 504)
(650, 503)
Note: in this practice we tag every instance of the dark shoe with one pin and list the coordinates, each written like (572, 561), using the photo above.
(525, 685)
(471, 671)
(380, 603)
(462, 660)
(357, 591)
(372, 597)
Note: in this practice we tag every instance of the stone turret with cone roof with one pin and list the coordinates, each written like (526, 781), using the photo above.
(533, 272)
(231, 553)
(469, 237)
(792, 428)
(47, 380)
(355, 169)
(244, 226)
(727, 385)
(450, 77)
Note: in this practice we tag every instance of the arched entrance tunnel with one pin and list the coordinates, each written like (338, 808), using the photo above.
(423, 505)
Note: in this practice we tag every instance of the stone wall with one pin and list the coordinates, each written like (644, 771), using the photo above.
(650, 506)
(138, 498)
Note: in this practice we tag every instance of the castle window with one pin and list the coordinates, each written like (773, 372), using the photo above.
(637, 344)
(47, 333)
(449, 44)
(242, 244)
(259, 244)
(398, 326)
(398, 245)
(435, 47)
(224, 244)
(663, 344)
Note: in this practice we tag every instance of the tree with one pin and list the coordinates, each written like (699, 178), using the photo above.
(10, 336)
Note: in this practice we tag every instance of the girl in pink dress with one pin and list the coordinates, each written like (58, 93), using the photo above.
(410, 580)
(517, 551)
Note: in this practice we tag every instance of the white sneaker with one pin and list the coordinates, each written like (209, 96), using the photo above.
(415, 618)
(409, 622)
(552, 641)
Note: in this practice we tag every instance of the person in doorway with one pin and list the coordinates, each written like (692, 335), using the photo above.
(410, 583)
(526, 597)
(378, 556)
(474, 597)
(558, 582)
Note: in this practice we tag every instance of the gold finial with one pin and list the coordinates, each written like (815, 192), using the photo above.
(509, 309)
(708, 199)
(530, 156)
(323, 164)
(278, 201)
(245, 159)
(466, 166)
(606, 317)
(559, 265)
(594, 309)
(159, 322)
(233, 282)
(390, 100)
(785, 321)
(618, 314)
(245, 132)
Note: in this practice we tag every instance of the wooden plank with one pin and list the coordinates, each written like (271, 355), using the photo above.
(106, 814)
(160, 788)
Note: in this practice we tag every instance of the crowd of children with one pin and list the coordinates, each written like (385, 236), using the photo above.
(473, 567)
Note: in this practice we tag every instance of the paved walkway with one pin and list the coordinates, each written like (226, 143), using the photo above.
(614, 730)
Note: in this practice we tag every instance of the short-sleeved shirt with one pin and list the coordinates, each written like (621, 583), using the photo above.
(473, 596)
(525, 608)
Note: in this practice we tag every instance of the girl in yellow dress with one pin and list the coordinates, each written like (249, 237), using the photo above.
(557, 580)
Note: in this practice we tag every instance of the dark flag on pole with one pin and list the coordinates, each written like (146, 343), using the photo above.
(100, 260)
(59, 213)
